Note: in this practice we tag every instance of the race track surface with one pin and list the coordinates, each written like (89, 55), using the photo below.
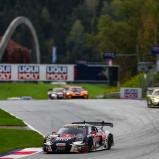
(136, 127)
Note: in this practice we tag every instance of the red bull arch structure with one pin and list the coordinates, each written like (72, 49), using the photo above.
(10, 31)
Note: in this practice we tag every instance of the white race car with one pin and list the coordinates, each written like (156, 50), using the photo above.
(153, 98)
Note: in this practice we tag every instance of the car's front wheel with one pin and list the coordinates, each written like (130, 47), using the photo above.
(149, 103)
(85, 97)
(89, 145)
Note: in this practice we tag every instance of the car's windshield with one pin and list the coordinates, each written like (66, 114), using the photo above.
(156, 93)
(72, 130)
(58, 90)
(149, 92)
(76, 89)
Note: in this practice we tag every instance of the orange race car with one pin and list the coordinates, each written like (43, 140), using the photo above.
(75, 92)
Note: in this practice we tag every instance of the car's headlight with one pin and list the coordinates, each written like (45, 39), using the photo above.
(155, 99)
(53, 95)
(48, 143)
(78, 143)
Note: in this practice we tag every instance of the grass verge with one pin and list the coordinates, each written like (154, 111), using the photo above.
(16, 139)
(11, 139)
(8, 120)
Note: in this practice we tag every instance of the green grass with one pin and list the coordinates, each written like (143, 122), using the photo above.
(13, 139)
(37, 91)
(8, 120)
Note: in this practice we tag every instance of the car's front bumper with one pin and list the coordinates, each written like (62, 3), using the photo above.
(154, 103)
(67, 148)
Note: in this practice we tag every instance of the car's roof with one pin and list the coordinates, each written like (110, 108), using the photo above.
(156, 89)
(58, 88)
(152, 88)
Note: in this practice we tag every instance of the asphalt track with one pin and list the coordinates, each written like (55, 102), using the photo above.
(136, 127)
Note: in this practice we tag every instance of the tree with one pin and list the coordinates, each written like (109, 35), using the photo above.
(148, 32)
(76, 42)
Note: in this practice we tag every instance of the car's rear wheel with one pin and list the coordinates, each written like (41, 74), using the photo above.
(110, 141)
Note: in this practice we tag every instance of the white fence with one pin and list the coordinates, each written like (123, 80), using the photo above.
(35, 72)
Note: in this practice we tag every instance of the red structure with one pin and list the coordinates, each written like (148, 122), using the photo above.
(15, 53)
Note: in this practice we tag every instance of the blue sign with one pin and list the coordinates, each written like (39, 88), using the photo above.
(131, 93)
(109, 55)
(155, 50)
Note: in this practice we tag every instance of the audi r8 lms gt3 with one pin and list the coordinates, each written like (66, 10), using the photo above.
(153, 99)
(75, 92)
(56, 93)
(80, 137)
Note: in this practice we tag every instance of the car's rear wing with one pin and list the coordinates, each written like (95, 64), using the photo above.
(103, 123)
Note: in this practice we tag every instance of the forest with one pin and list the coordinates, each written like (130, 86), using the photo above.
(83, 30)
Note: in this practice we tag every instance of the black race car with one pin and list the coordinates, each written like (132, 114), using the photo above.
(79, 137)
(56, 93)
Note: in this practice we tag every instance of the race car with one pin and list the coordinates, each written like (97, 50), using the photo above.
(153, 99)
(75, 92)
(79, 137)
(56, 93)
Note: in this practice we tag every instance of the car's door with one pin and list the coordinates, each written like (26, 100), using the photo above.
(97, 137)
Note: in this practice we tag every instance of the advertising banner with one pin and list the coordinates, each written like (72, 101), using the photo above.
(5, 72)
(131, 93)
(35, 72)
(28, 72)
(57, 73)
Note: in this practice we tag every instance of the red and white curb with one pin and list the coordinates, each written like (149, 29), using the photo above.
(21, 153)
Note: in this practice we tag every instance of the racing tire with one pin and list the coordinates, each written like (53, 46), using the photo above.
(85, 97)
(68, 97)
(49, 96)
(89, 144)
(149, 104)
(110, 142)
(45, 150)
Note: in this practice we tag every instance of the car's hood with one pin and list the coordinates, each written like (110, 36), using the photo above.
(64, 139)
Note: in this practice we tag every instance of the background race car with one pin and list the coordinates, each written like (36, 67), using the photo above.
(153, 98)
(75, 92)
(56, 93)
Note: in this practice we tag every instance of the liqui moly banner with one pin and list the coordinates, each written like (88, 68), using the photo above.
(35, 72)
(57, 73)
(5, 72)
(29, 72)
